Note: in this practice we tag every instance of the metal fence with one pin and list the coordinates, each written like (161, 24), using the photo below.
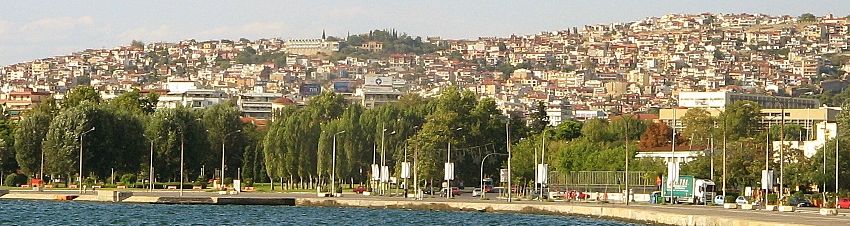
(601, 181)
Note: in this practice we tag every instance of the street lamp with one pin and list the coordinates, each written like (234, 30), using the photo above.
(333, 165)
(382, 172)
(224, 139)
(150, 172)
(483, 191)
(508, 144)
(450, 167)
(406, 164)
(82, 136)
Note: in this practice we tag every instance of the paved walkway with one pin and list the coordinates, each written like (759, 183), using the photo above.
(803, 216)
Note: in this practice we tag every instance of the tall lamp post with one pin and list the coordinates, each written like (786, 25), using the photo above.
(450, 167)
(484, 191)
(508, 144)
(150, 171)
(383, 173)
(82, 136)
(224, 139)
(333, 164)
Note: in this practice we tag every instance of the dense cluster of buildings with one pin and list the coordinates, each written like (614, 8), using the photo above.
(677, 60)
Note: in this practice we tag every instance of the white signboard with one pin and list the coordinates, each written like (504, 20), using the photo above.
(503, 175)
(449, 171)
(748, 191)
(376, 174)
(542, 175)
(385, 174)
(237, 186)
(405, 170)
(672, 172)
(766, 179)
(378, 81)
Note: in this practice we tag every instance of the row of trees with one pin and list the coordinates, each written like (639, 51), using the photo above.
(297, 145)
(119, 135)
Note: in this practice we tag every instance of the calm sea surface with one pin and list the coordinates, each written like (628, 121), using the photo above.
(27, 212)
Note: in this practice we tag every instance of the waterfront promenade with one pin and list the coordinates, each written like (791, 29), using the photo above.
(637, 212)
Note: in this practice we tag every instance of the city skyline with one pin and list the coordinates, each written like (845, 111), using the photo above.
(31, 31)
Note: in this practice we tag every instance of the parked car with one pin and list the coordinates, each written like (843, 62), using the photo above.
(359, 189)
(800, 202)
(844, 203)
(741, 200)
(718, 200)
(536, 194)
(488, 188)
(455, 192)
(476, 192)
(427, 191)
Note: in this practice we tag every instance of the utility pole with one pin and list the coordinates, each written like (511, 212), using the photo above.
(782, 154)
(627, 163)
(508, 144)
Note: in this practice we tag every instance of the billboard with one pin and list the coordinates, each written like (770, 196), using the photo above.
(343, 87)
(372, 80)
(310, 89)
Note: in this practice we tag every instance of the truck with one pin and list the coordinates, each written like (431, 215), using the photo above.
(687, 189)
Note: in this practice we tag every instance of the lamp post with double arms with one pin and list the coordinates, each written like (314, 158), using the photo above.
(333, 164)
(82, 136)
(224, 139)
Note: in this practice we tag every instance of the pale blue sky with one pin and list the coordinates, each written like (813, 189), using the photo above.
(37, 29)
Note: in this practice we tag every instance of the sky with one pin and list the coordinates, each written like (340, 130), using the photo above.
(37, 29)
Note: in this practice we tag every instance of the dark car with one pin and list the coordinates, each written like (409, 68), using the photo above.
(427, 191)
(800, 202)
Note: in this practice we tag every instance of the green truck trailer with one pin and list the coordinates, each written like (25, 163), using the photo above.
(688, 189)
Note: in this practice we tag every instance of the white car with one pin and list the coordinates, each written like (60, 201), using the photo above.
(741, 200)
(476, 192)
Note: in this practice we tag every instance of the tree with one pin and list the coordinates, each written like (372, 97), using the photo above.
(539, 119)
(223, 129)
(170, 129)
(739, 119)
(698, 125)
(568, 130)
(137, 44)
(115, 141)
(29, 137)
(807, 17)
(596, 130)
(80, 94)
(628, 125)
(656, 135)
(7, 151)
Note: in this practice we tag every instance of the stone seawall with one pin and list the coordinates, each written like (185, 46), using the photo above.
(612, 212)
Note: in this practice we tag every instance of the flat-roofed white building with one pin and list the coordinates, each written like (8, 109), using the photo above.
(257, 105)
(721, 99)
(195, 98)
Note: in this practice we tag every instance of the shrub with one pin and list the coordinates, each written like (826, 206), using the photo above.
(15, 180)
(249, 182)
(128, 179)
(200, 181)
